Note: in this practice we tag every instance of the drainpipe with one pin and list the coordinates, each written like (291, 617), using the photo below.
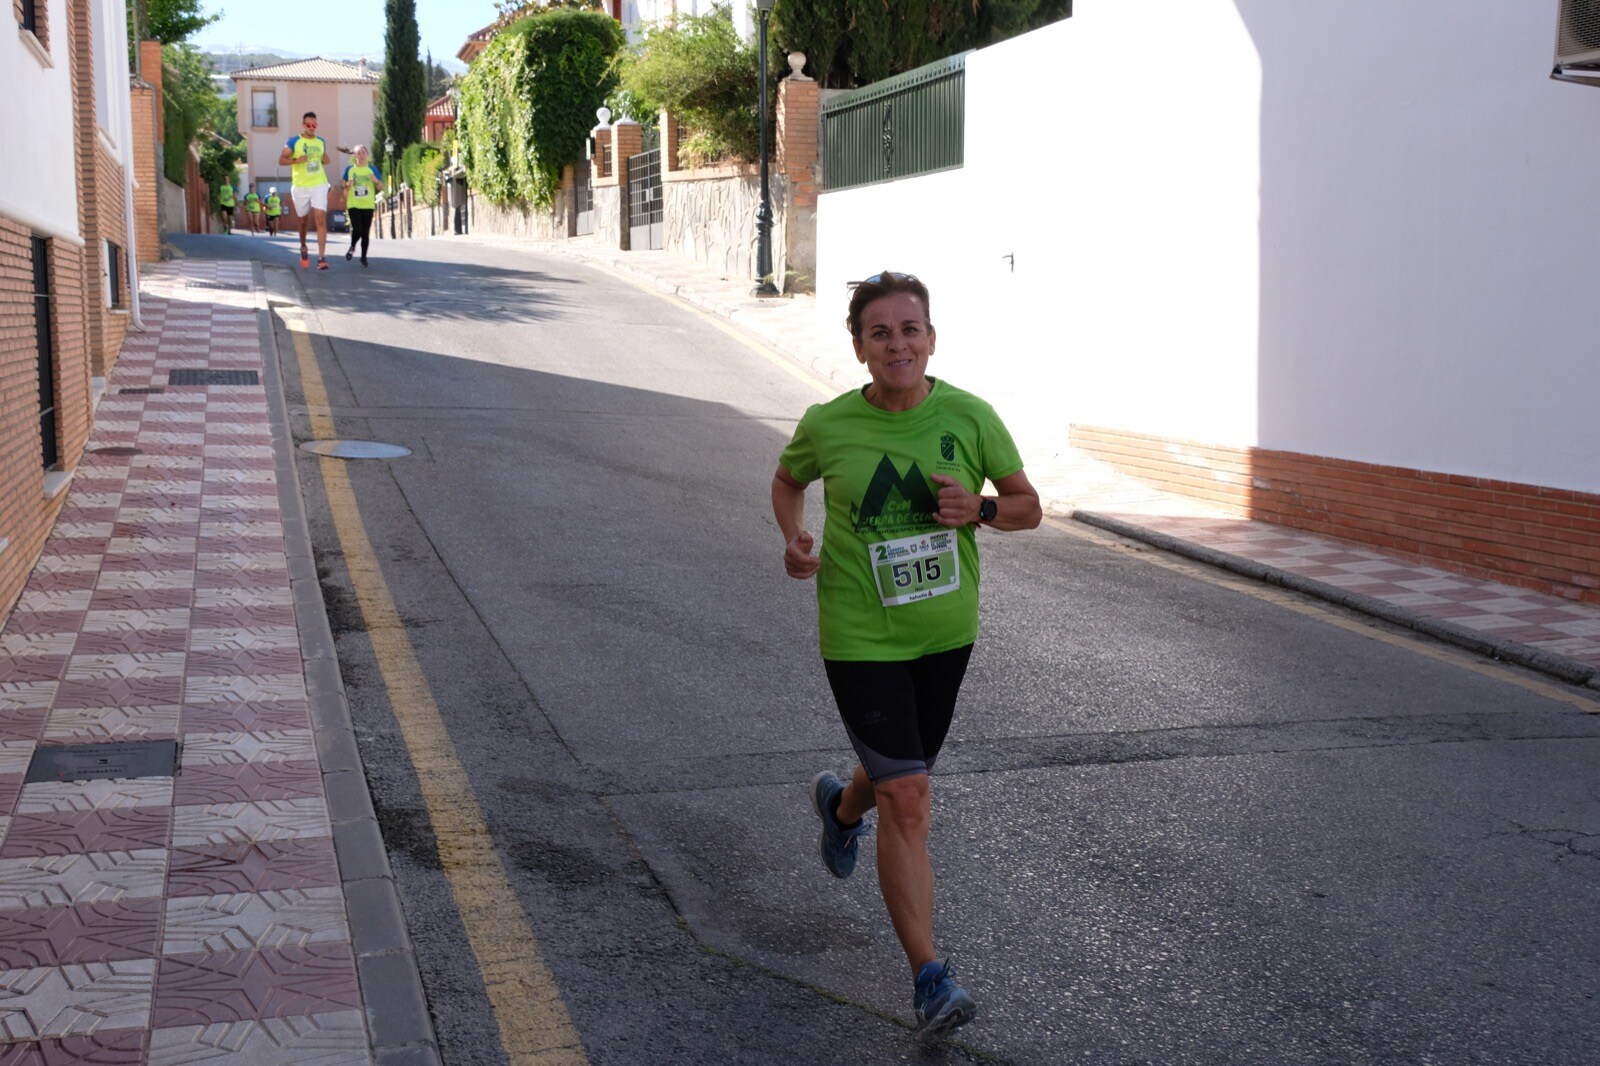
(135, 322)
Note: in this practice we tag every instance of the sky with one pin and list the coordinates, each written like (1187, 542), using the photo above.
(346, 29)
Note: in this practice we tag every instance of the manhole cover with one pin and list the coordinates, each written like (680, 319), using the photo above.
(355, 449)
(457, 307)
(152, 390)
(103, 762)
(116, 449)
(213, 377)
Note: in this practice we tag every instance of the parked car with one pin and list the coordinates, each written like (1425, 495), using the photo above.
(338, 222)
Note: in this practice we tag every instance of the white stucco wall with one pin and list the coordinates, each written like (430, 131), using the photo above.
(35, 182)
(1341, 227)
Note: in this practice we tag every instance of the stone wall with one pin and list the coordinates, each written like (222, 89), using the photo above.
(710, 217)
(609, 231)
(175, 208)
(518, 221)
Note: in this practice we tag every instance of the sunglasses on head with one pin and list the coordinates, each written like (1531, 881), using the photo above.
(895, 274)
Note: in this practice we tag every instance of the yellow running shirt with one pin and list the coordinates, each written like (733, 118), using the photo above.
(308, 165)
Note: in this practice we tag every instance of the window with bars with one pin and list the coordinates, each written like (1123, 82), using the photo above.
(46, 351)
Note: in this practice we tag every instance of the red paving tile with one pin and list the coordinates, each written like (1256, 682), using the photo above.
(77, 832)
(108, 1047)
(259, 866)
(77, 935)
(229, 986)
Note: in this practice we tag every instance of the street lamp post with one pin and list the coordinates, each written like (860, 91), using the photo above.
(388, 165)
(764, 285)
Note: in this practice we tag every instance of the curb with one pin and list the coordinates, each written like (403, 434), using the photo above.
(399, 1025)
(1558, 666)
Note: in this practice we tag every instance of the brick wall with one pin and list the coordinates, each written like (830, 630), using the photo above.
(1526, 535)
(25, 514)
(146, 152)
(102, 201)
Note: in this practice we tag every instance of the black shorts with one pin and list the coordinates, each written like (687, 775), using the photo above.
(897, 714)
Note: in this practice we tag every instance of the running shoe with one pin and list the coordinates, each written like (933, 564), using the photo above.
(349, 253)
(942, 1005)
(838, 844)
(363, 260)
(305, 258)
(322, 264)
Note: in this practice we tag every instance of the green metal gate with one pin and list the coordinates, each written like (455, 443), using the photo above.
(912, 123)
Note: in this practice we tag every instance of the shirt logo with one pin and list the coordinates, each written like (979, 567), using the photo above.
(894, 504)
(947, 447)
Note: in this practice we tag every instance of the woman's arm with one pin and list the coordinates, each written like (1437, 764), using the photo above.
(789, 508)
(1017, 506)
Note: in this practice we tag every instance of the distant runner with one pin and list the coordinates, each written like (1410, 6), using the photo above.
(225, 202)
(252, 210)
(307, 159)
(361, 182)
(274, 210)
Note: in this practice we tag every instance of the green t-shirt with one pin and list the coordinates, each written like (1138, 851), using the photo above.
(875, 467)
(225, 196)
(252, 203)
(274, 205)
(312, 170)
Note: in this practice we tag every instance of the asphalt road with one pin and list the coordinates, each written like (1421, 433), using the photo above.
(1178, 821)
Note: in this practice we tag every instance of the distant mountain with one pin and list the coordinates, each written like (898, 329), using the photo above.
(241, 57)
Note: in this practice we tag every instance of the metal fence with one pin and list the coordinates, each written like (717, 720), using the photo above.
(912, 123)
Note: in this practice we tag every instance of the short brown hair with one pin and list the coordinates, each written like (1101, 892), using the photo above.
(884, 283)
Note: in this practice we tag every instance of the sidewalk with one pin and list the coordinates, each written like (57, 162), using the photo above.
(174, 615)
(1542, 632)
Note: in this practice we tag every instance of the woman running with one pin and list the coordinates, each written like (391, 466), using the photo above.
(361, 182)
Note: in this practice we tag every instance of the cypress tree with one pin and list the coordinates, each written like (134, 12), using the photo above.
(402, 96)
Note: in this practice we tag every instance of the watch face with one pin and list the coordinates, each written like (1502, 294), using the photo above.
(987, 510)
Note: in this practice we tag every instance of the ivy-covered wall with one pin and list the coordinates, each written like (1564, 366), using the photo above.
(528, 102)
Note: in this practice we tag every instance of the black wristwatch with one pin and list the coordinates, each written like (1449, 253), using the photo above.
(987, 510)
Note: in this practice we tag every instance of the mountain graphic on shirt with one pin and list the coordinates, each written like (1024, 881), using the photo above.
(895, 505)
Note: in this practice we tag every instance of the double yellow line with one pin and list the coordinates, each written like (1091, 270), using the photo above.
(535, 1028)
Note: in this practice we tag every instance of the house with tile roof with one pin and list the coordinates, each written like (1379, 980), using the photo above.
(271, 100)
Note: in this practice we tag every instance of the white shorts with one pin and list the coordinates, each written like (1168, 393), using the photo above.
(309, 198)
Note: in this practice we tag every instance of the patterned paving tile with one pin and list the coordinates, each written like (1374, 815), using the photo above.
(253, 866)
(219, 824)
(246, 921)
(260, 638)
(131, 641)
(64, 880)
(91, 667)
(248, 782)
(247, 717)
(245, 689)
(142, 599)
(140, 692)
(80, 934)
(21, 724)
(105, 1047)
(259, 662)
(15, 756)
(201, 749)
(75, 1000)
(332, 1039)
(44, 797)
(243, 985)
(32, 668)
(80, 832)
(27, 695)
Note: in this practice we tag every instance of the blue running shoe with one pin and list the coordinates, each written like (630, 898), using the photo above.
(942, 1005)
(837, 843)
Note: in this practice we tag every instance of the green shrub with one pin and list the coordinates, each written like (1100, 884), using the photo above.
(704, 74)
(528, 102)
(419, 168)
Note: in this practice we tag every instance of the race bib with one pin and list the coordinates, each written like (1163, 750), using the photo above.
(361, 191)
(313, 164)
(915, 568)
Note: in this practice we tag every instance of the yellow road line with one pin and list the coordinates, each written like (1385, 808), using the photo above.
(1312, 609)
(535, 1028)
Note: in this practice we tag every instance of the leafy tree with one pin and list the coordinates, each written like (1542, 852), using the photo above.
(528, 102)
(188, 101)
(169, 21)
(856, 42)
(402, 95)
(704, 73)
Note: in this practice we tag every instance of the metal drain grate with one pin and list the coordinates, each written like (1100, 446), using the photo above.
(230, 286)
(152, 390)
(213, 377)
(116, 449)
(103, 762)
